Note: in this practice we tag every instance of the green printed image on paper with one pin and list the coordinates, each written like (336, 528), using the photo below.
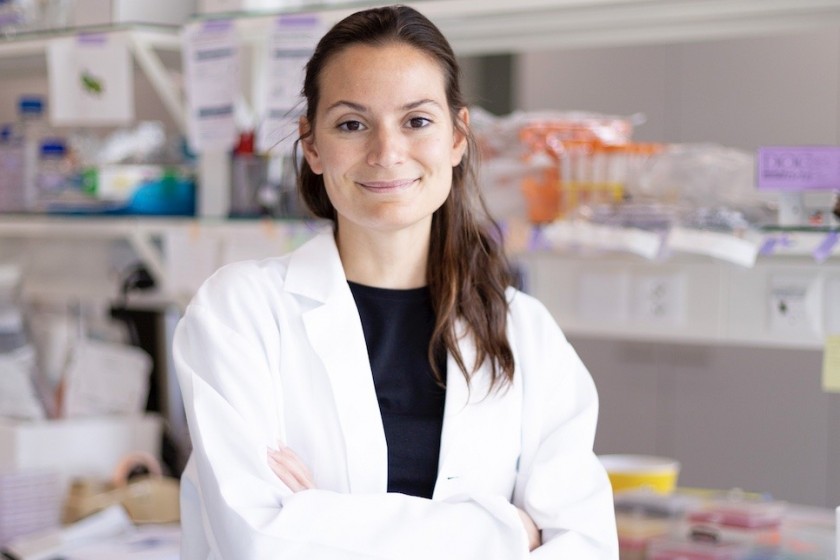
(92, 84)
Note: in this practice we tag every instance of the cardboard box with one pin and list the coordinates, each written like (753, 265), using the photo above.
(80, 447)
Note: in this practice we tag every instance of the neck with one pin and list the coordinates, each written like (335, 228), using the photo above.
(395, 260)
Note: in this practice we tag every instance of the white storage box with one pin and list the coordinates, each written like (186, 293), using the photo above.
(82, 447)
(107, 12)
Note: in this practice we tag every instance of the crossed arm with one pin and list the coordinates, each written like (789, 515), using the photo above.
(296, 475)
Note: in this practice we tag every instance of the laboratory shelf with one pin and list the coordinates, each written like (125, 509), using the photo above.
(784, 299)
(145, 42)
(561, 238)
(501, 26)
(36, 42)
(149, 236)
(51, 226)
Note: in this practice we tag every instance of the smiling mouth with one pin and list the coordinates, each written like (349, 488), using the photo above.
(387, 186)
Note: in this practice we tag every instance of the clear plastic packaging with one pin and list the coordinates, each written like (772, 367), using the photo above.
(19, 374)
(708, 186)
(18, 16)
(54, 14)
(12, 194)
(541, 166)
(32, 129)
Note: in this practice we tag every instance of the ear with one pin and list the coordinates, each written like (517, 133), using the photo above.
(307, 142)
(459, 136)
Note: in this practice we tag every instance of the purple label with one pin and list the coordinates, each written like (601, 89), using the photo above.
(297, 20)
(798, 168)
(537, 241)
(825, 248)
(92, 39)
(217, 25)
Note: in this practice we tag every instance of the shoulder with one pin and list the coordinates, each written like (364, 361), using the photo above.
(243, 281)
(527, 313)
(541, 349)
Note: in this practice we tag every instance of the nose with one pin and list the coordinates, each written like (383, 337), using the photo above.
(387, 147)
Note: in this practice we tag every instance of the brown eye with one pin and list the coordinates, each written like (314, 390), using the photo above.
(351, 126)
(418, 122)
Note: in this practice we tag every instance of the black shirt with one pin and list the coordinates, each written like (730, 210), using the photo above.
(398, 326)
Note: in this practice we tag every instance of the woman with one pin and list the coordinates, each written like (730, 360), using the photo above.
(381, 392)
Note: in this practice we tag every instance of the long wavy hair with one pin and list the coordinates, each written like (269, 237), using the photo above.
(467, 272)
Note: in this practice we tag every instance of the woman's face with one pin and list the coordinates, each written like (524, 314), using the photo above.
(384, 139)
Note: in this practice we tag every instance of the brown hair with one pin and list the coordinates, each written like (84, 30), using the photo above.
(467, 272)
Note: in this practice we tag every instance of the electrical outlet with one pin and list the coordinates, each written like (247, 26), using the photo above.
(792, 306)
(660, 299)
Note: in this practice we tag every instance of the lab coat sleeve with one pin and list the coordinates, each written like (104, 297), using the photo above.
(562, 484)
(231, 403)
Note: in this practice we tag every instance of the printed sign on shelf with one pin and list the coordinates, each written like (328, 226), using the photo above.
(799, 168)
(211, 70)
(292, 42)
(91, 81)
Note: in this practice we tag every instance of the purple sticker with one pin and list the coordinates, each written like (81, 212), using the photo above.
(773, 242)
(298, 20)
(798, 168)
(217, 25)
(537, 241)
(92, 38)
(822, 252)
(768, 247)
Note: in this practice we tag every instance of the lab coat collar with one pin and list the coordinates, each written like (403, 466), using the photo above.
(315, 269)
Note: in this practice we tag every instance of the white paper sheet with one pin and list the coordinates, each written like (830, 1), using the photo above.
(292, 42)
(106, 378)
(155, 542)
(18, 394)
(211, 64)
(722, 246)
(91, 81)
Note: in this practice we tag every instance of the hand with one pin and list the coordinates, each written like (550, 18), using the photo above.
(290, 469)
(534, 536)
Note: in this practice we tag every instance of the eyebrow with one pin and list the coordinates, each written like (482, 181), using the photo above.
(363, 109)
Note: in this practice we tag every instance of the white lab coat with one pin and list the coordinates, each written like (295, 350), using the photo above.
(274, 351)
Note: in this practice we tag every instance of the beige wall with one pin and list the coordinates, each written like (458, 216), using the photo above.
(742, 93)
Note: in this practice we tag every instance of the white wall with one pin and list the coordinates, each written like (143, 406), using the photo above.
(735, 416)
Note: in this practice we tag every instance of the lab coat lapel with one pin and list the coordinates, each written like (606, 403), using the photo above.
(460, 421)
(335, 333)
(480, 428)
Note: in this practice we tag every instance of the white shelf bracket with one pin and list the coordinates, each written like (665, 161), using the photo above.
(150, 255)
(154, 69)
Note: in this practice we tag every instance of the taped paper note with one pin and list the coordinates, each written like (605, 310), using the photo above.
(211, 61)
(831, 364)
(292, 42)
(105, 378)
(714, 244)
(91, 81)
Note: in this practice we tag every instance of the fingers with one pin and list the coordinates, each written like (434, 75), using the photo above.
(534, 535)
(290, 469)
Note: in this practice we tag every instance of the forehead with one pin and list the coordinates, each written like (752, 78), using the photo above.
(367, 74)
